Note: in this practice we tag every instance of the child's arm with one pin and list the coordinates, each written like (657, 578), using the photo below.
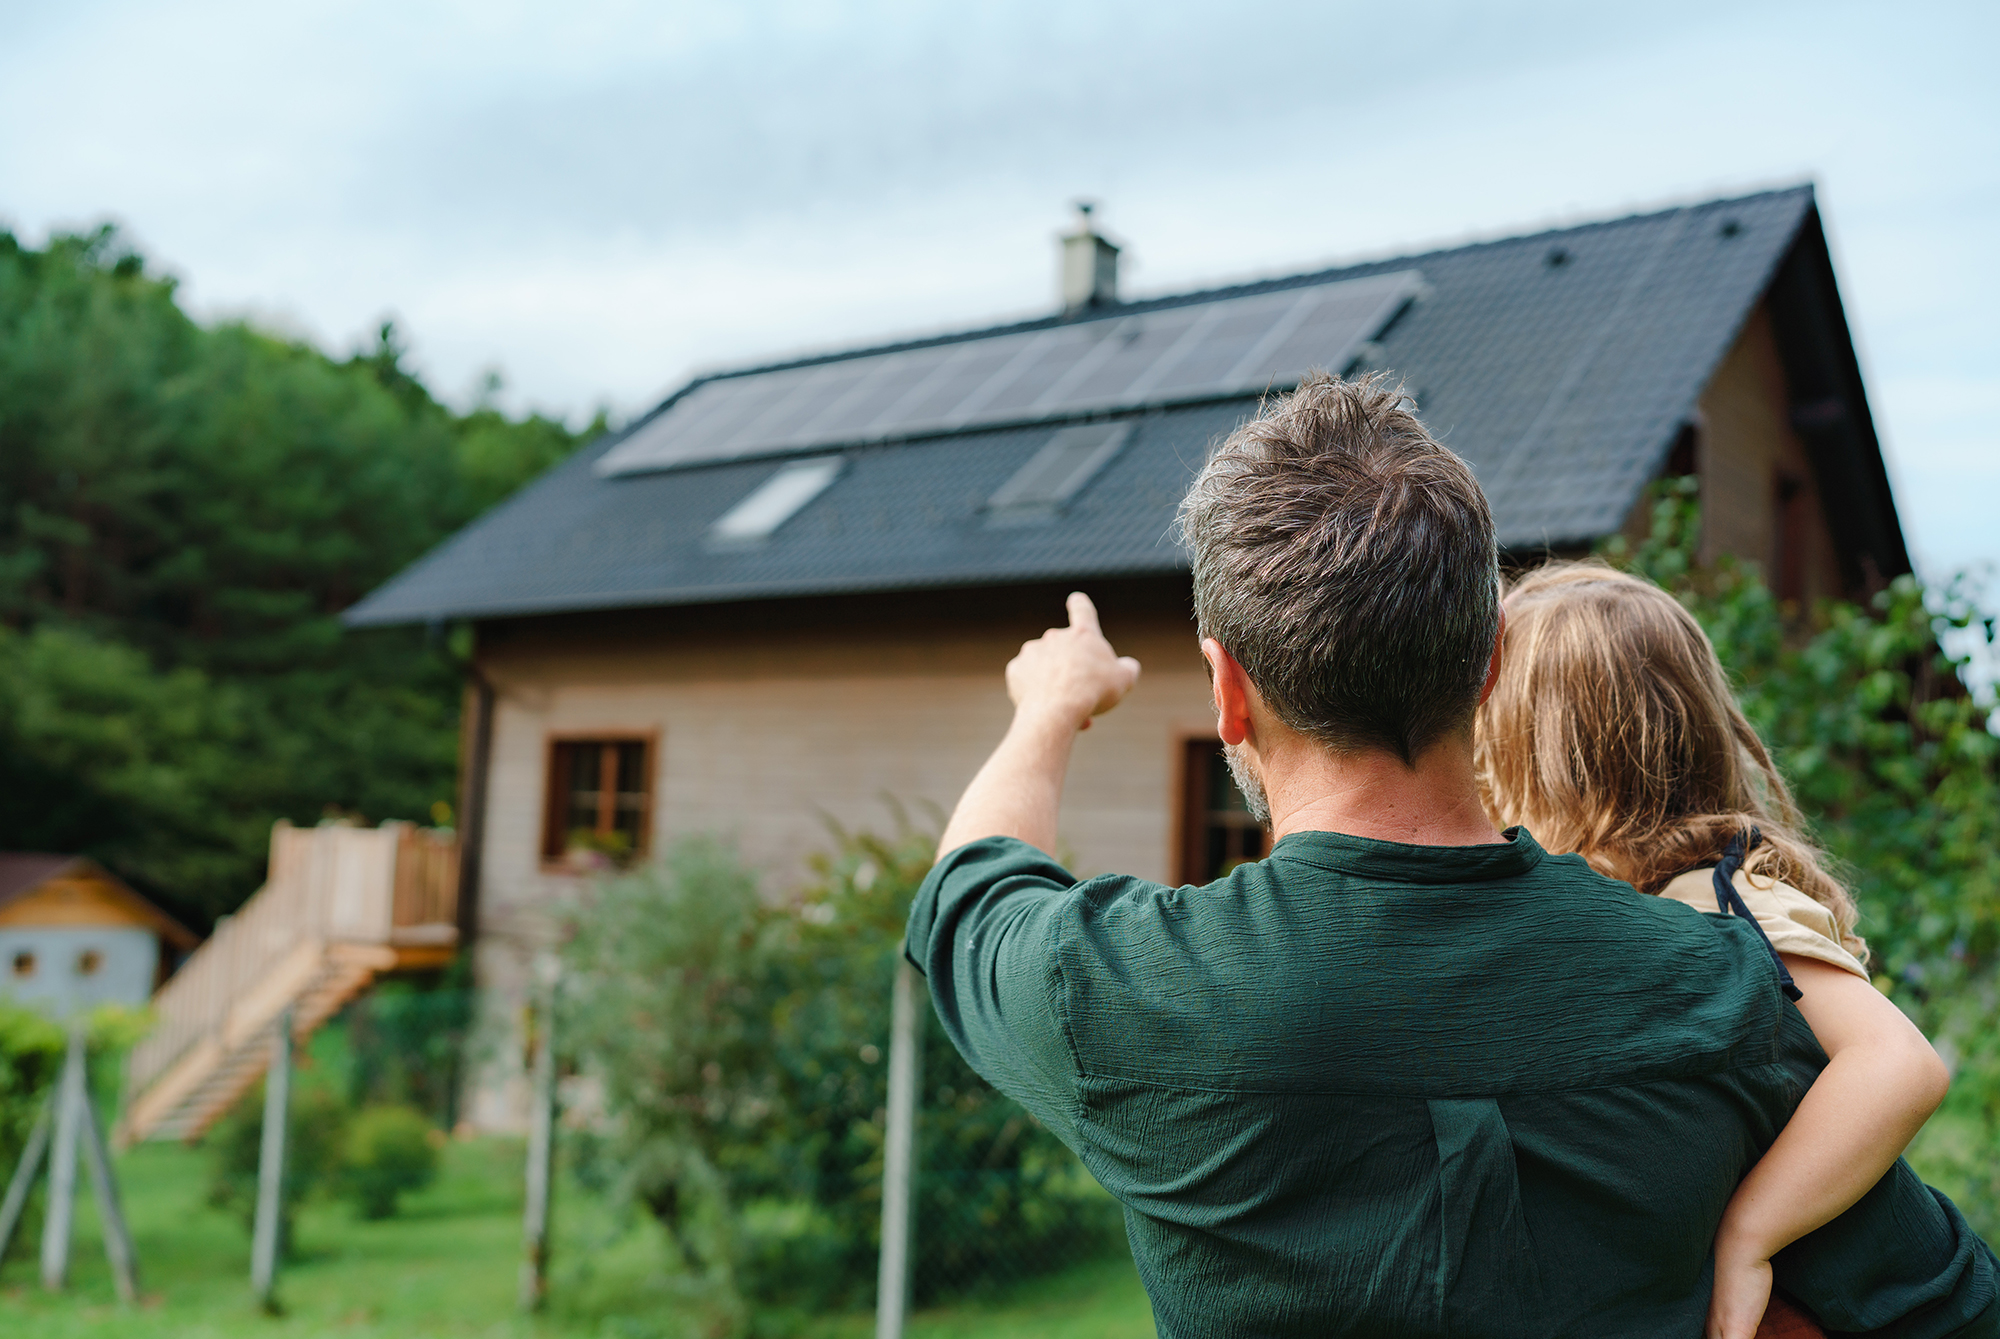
(1881, 1083)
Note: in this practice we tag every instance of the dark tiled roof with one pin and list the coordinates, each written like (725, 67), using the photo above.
(1559, 365)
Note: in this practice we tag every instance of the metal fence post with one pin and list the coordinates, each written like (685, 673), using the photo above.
(269, 1230)
(899, 1153)
(541, 1141)
(110, 1213)
(71, 1095)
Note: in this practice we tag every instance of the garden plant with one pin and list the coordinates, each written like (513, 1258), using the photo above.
(742, 1048)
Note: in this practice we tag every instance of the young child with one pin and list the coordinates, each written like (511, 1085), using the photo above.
(1612, 733)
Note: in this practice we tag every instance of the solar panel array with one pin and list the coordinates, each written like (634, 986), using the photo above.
(1230, 346)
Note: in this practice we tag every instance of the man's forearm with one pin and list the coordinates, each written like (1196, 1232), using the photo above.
(1019, 790)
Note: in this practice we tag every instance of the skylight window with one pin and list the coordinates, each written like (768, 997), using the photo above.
(1055, 474)
(776, 500)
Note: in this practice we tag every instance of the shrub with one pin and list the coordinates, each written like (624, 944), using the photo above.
(998, 1196)
(742, 1049)
(391, 1151)
(406, 1041)
(315, 1137)
(31, 1057)
(32, 1049)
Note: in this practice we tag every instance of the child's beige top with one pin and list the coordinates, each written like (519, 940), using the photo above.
(1793, 922)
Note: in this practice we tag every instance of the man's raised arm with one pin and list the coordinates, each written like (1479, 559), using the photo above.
(1058, 682)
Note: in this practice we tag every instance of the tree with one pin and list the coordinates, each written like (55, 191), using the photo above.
(191, 507)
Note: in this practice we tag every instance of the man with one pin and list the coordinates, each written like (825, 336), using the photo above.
(1408, 1075)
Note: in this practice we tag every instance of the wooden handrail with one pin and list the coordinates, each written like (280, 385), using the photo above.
(426, 878)
(326, 885)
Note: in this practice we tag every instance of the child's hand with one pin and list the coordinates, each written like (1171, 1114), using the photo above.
(1742, 1291)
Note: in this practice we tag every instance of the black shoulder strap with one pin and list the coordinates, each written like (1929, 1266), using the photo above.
(1730, 902)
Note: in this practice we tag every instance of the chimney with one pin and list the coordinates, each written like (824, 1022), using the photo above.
(1089, 265)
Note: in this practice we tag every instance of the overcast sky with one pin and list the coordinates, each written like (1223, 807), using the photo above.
(595, 198)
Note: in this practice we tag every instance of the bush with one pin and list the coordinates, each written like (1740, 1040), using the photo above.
(742, 1050)
(31, 1056)
(406, 1041)
(31, 1059)
(998, 1197)
(391, 1151)
(32, 1049)
(315, 1139)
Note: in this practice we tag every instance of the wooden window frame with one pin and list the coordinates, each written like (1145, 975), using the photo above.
(1191, 810)
(1190, 814)
(554, 844)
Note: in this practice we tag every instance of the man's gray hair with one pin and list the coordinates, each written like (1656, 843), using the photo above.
(1346, 560)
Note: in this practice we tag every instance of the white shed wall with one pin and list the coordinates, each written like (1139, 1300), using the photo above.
(129, 958)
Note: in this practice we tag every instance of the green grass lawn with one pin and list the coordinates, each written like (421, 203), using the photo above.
(447, 1266)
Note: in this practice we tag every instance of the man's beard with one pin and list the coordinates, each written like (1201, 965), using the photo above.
(1248, 783)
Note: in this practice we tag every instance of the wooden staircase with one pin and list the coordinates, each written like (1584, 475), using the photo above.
(341, 906)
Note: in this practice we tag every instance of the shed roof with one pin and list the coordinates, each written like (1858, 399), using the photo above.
(23, 872)
(1559, 365)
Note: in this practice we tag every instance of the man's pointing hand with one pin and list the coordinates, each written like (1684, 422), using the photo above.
(1071, 673)
(1058, 682)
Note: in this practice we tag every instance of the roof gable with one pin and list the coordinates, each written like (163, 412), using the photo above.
(1558, 365)
(22, 870)
(61, 890)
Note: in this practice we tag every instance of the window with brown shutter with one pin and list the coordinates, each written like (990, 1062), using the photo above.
(600, 800)
(1217, 831)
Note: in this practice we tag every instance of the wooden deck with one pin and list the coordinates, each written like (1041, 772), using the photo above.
(341, 906)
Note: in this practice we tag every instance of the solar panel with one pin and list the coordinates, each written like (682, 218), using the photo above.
(1228, 346)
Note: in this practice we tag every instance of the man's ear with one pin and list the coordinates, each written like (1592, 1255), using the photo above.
(1493, 665)
(1231, 689)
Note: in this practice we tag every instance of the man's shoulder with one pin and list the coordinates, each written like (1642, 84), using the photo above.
(996, 882)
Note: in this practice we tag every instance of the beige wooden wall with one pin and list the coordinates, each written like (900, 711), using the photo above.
(765, 732)
(1745, 441)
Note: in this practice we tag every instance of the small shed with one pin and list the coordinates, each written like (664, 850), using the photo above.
(73, 935)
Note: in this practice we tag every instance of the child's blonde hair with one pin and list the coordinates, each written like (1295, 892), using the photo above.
(1612, 733)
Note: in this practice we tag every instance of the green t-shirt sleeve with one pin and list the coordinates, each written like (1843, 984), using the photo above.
(1901, 1262)
(985, 929)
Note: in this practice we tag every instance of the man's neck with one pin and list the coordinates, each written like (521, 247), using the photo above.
(1374, 794)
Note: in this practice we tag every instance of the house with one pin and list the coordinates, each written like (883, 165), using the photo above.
(74, 936)
(787, 592)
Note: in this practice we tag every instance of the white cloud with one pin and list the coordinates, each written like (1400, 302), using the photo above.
(598, 196)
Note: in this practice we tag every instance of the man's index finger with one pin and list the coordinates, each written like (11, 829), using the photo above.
(1082, 613)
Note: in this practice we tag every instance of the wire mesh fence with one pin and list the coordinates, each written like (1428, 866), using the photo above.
(981, 1230)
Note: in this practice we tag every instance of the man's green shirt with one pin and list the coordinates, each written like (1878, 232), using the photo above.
(1372, 1089)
